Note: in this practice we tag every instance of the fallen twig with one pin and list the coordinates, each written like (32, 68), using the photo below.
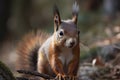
(21, 78)
(34, 73)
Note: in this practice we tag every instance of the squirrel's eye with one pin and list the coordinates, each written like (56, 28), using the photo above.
(61, 33)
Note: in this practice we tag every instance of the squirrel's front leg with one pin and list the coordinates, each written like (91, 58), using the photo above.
(57, 66)
(74, 64)
(72, 69)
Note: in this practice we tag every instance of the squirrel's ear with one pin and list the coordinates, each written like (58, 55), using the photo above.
(75, 10)
(57, 20)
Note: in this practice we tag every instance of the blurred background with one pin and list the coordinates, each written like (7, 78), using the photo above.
(98, 21)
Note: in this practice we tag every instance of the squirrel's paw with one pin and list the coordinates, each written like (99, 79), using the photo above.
(72, 78)
(58, 77)
(61, 77)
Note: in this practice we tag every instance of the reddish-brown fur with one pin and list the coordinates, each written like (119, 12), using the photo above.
(28, 48)
(55, 55)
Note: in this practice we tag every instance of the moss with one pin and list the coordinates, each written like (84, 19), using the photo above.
(5, 73)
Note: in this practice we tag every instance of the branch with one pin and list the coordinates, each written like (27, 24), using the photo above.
(35, 74)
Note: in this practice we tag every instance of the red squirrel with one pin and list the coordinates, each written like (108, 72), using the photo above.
(57, 54)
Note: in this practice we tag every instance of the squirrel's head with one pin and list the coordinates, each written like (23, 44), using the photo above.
(65, 31)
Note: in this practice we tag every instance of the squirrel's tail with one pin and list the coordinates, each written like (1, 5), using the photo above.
(28, 50)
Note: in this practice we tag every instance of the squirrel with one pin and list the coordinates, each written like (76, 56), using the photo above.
(55, 55)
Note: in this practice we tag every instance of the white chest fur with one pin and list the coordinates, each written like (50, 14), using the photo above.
(66, 56)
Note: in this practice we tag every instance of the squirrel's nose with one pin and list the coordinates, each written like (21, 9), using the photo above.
(72, 43)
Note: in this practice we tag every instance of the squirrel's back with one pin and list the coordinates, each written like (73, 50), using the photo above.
(28, 50)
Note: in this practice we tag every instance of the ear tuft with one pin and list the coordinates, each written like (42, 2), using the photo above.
(75, 11)
(55, 10)
(57, 19)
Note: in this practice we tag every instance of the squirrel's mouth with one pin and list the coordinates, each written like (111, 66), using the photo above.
(70, 46)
